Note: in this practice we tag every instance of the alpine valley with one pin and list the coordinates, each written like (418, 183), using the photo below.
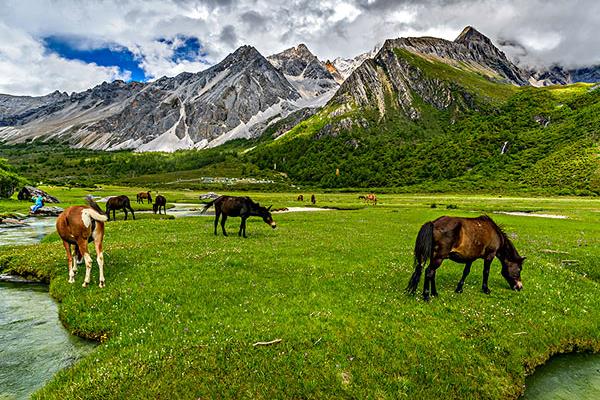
(424, 112)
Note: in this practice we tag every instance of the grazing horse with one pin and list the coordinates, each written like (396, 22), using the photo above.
(118, 203)
(313, 199)
(144, 195)
(300, 197)
(78, 226)
(464, 240)
(371, 198)
(243, 207)
(159, 202)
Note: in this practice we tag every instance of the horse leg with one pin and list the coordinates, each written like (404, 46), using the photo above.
(82, 244)
(430, 278)
(486, 274)
(78, 259)
(108, 212)
(114, 216)
(242, 226)
(217, 215)
(100, 258)
(132, 214)
(125, 211)
(461, 283)
(70, 261)
(223, 224)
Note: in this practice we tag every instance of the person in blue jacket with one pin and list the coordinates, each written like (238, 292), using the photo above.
(39, 203)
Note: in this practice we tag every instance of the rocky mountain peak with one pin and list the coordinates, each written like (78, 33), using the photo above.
(470, 34)
(243, 53)
(299, 61)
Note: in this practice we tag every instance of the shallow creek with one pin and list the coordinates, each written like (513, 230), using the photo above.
(33, 343)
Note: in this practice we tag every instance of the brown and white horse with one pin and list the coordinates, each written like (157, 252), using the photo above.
(78, 226)
(371, 198)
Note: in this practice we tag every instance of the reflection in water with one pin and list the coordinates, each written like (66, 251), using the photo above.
(566, 377)
(33, 343)
(32, 231)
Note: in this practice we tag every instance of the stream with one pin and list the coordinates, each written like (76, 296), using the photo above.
(574, 376)
(33, 343)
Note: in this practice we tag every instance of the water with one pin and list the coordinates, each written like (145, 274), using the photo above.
(32, 231)
(566, 377)
(33, 343)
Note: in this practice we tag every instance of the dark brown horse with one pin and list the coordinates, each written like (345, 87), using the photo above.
(118, 203)
(300, 197)
(313, 199)
(243, 207)
(144, 195)
(464, 240)
(160, 202)
(77, 226)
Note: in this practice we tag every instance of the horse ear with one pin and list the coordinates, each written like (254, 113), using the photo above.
(269, 208)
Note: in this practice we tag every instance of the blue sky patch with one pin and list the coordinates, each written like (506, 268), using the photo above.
(108, 56)
(185, 48)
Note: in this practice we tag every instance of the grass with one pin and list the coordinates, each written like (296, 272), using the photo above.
(182, 308)
(464, 77)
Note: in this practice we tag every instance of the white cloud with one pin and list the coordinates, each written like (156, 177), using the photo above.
(26, 69)
(561, 31)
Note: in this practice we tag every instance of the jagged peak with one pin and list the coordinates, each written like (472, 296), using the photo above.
(246, 51)
(300, 51)
(470, 34)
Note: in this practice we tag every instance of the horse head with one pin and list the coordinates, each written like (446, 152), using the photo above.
(265, 213)
(511, 271)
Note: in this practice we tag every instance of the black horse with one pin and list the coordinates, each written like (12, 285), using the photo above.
(464, 240)
(118, 203)
(160, 201)
(243, 207)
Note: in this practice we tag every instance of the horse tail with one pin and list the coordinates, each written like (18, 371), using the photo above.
(423, 251)
(90, 202)
(94, 212)
(210, 204)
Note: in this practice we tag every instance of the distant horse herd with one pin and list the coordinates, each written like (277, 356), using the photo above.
(462, 240)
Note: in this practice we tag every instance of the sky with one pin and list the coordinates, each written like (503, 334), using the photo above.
(71, 45)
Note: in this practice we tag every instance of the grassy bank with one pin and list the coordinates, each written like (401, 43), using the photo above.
(182, 308)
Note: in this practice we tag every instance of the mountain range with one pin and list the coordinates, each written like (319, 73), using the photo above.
(246, 94)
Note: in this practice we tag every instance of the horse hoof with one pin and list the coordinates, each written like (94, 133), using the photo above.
(101, 284)
(486, 291)
(458, 290)
(426, 298)
(84, 284)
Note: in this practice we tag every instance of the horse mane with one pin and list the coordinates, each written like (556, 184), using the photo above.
(253, 204)
(507, 246)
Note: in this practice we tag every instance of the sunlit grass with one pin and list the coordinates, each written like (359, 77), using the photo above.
(182, 308)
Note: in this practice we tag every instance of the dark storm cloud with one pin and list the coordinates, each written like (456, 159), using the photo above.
(229, 36)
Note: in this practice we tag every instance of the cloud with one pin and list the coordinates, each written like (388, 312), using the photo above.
(27, 69)
(537, 32)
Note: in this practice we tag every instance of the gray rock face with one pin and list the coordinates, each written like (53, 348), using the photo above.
(14, 109)
(557, 75)
(167, 114)
(305, 72)
(389, 80)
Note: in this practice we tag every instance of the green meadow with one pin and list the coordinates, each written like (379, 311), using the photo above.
(182, 309)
